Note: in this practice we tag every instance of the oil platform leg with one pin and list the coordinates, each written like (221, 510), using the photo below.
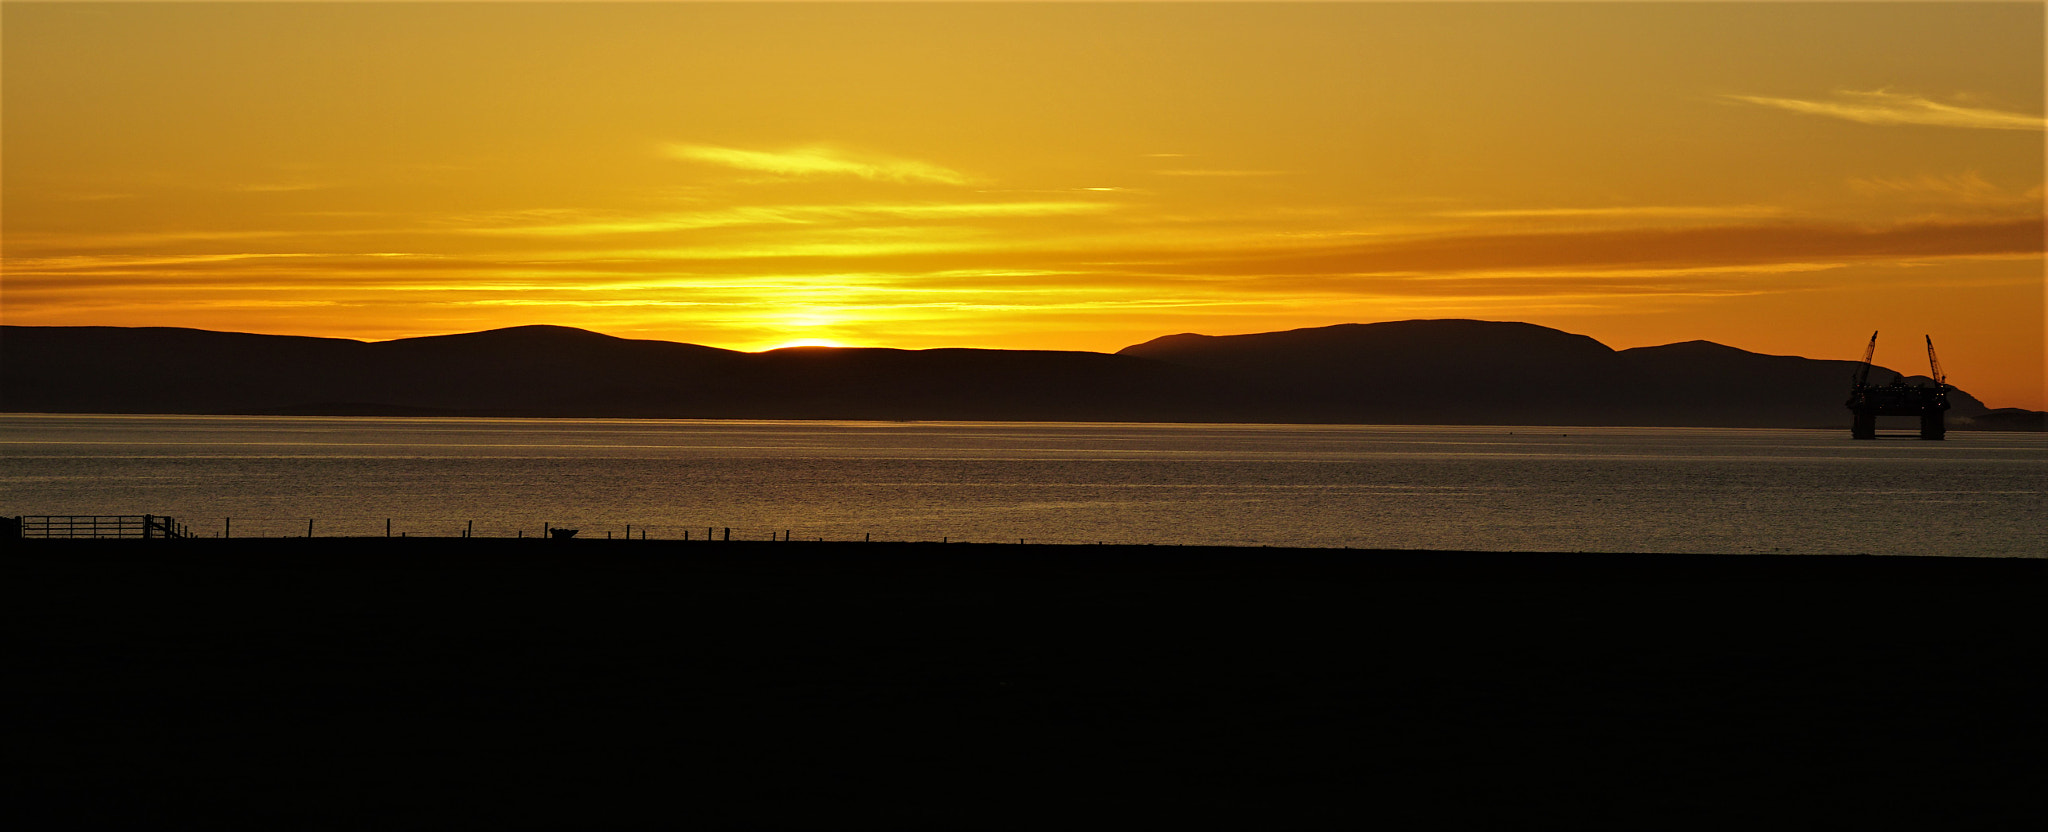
(1865, 426)
(1932, 426)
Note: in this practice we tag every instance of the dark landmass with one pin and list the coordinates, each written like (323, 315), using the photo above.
(1484, 372)
(1407, 372)
(2010, 418)
(504, 684)
(558, 371)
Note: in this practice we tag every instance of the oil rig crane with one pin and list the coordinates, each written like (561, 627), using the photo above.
(1898, 398)
(1934, 365)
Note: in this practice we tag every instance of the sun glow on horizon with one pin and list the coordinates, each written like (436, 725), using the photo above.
(803, 342)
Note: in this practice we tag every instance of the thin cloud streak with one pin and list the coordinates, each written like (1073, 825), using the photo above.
(1199, 172)
(817, 161)
(1886, 107)
(1965, 189)
(1704, 246)
(786, 215)
(1626, 212)
(1624, 261)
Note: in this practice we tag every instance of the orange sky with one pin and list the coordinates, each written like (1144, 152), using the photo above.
(1781, 178)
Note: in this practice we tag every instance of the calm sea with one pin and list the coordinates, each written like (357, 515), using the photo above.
(1491, 488)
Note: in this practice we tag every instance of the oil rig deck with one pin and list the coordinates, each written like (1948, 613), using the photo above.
(1898, 398)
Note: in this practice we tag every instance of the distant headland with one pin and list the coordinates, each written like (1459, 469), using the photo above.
(1444, 372)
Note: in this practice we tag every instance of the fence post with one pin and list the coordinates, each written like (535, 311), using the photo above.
(309, 527)
(145, 527)
(227, 527)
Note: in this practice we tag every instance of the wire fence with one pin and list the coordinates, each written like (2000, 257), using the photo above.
(161, 527)
(571, 526)
(71, 526)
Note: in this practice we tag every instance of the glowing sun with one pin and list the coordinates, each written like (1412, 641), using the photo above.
(805, 342)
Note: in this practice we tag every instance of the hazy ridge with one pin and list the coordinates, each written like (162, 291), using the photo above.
(1405, 372)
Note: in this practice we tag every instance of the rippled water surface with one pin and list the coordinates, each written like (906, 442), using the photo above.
(1493, 488)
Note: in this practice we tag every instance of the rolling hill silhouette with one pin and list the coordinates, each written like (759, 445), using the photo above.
(1485, 372)
(559, 371)
(1405, 372)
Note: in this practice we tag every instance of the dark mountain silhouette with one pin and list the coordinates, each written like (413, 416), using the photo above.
(558, 371)
(1415, 372)
(2010, 418)
(1483, 372)
(1405, 372)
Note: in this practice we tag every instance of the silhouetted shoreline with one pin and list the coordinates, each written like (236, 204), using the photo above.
(1437, 372)
(494, 683)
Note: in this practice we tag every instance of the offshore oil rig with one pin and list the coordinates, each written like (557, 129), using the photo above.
(1898, 398)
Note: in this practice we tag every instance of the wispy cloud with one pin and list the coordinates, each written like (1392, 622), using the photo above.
(1967, 188)
(818, 161)
(572, 224)
(1751, 249)
(973, 209)
(1711, 246)
(569, 223)
(1219, 173)
(1887, 107)
(100, 262)
(25, 243)
(1626, 212)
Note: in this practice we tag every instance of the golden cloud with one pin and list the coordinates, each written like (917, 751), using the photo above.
(569, 224)
(1656, 247)
(1626, 212)
(1217, 172)
(817, 161)
(1886, 107)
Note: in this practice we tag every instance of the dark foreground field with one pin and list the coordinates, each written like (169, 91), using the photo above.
(397, 684)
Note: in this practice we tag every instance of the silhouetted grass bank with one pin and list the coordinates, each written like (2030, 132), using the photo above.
(490, 683)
